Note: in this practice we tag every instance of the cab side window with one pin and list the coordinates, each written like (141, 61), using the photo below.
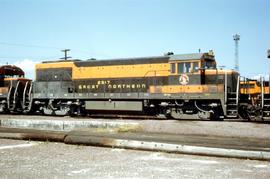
(209, 65)
(180, 68)
(187, 67)
(184, 67)
(195, 67)
(172, 67)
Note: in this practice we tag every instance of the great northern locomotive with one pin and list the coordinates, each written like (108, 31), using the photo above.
(186, 86)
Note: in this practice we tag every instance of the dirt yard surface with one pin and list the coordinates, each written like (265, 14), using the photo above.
(27, 159)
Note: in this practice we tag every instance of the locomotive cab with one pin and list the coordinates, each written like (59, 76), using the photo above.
(14, 89)
(190, 69)
(8, 73)
(202, 89)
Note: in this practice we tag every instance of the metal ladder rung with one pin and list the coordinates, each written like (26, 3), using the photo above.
(231, 110)
(230, 116)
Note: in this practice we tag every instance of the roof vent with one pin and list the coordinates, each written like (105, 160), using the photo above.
(91, 59)
(168, 53)
(211, 52)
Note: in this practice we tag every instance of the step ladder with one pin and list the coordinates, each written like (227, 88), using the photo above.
(231, 99)
(265, 102)
(232, 105)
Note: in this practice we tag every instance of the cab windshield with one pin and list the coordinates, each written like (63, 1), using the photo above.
(209, 64)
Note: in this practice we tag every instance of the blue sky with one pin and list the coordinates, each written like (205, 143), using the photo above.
(36, 30)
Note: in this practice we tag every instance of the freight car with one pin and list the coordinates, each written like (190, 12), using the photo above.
(15, 90)
(185, 86)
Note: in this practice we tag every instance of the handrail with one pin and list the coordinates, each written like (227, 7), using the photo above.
(15, 94)
(269, 79)
(9, 94)
(226, 90)
(155, 72)
(24, 92)
(30, 97)
(262, 91)
(237, 90)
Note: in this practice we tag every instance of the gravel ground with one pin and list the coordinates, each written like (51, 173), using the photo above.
(238, 128)
(26, 159)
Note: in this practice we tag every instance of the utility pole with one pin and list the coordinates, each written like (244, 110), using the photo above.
(65, 51)
(236, 39)
(268, 53)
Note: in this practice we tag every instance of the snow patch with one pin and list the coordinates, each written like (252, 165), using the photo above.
(117, 150)
(157, 156)
(17, 146)
(261, 166)
(82, 171)
(205, 161)
(247, 171)
(160, 156)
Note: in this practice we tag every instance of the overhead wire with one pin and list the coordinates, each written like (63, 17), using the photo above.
(28, 45)
(27, 57)
(40, 46)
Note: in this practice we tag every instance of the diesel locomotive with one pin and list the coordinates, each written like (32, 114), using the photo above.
(15, 90)
(254, 99)
(185, 86)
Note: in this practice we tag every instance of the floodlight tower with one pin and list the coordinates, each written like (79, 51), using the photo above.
(236, 39)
